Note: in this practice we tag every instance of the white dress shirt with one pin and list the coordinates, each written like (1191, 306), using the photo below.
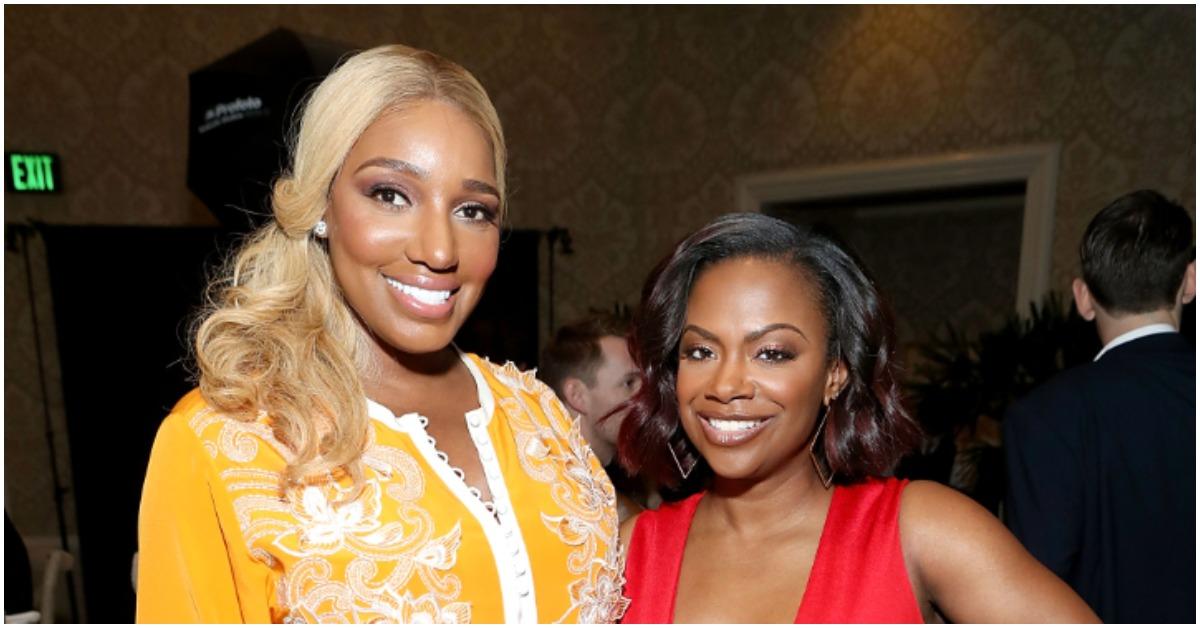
(1134, 334)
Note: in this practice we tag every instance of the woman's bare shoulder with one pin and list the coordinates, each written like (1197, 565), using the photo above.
(936, 518)
(972, 567)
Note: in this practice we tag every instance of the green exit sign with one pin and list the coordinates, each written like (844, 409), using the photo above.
(32, 173)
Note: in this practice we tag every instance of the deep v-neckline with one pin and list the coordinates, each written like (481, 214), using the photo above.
(690, 507)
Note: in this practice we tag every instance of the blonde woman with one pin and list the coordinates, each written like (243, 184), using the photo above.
(341, 460)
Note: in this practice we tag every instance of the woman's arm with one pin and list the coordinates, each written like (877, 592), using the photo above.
(973, 569)
(185, 571)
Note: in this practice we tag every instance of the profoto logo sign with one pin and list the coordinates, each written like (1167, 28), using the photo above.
(226, 112)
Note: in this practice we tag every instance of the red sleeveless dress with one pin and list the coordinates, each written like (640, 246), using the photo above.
(858, 574)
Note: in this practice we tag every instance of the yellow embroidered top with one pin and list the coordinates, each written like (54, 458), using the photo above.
(220, 542)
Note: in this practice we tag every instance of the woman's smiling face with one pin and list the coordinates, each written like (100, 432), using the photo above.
(414, 225)
(753, 367)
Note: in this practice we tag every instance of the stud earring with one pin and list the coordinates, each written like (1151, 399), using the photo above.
(320, 229)
(823, 471)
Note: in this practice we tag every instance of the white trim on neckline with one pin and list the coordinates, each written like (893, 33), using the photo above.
(500, 526)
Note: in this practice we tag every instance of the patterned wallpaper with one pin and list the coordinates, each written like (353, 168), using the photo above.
(915, 253)
(629, 125)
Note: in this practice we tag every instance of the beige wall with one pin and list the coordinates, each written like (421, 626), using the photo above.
(627, 125)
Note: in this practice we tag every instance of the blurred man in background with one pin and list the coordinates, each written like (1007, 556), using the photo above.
(588, 365)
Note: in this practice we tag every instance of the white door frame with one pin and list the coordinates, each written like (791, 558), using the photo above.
(1036, 165)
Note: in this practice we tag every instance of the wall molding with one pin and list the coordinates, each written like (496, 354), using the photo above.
(1035, 164)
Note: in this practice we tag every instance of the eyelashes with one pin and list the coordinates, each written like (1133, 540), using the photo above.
(477, 212)
(695, 353)
(471, 212)
(388, 195)
(776, 355)
(768, 354)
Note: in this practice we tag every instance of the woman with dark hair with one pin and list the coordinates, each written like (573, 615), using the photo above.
(771, 383)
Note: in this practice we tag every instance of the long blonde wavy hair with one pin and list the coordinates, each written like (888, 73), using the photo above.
(276, 335)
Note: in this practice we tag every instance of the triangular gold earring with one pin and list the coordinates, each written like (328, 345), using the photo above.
(824, 472)
(675, 457)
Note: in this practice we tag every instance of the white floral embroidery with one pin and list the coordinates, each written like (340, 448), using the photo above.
(556, 454)
(425, 610)
(322, 527)
(607, 592)
(397, 570)
(381, 556)
(513, 377)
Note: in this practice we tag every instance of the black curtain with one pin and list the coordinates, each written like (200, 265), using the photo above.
(504, 326)
(122, 299)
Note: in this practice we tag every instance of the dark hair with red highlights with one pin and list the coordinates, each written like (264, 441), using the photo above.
(867, 428)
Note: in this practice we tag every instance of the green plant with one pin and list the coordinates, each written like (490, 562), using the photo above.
(963, 378)
(960, 391)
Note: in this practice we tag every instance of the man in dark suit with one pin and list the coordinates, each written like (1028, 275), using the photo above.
(1102, 459)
